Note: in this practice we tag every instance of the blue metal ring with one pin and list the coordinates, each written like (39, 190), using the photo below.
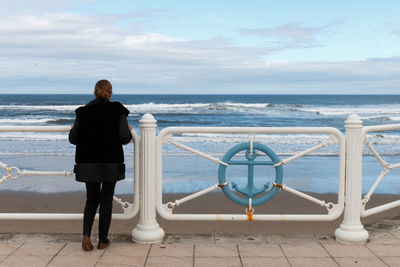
(250, 161)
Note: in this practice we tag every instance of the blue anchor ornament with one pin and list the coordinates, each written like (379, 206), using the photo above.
(250, 191)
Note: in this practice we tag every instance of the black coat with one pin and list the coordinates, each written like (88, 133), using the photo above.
(99, 131)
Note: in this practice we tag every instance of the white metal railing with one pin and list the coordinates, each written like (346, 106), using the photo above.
(129, 209)
(148, 197)
(334, 210)
(386, 168)
(351, 230)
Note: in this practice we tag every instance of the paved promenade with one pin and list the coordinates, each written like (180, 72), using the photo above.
(383, 249)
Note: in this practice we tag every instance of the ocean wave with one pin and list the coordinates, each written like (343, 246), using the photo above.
(36, 121)
(140, 108)
(215, 138)
(279, 138)
(157, 108)
(40, 107)
(381, 117)
(365, 109)
(390, 111)
(384, 139)
(194, 108)
(27, 121)
(385, 111)
(33, 136)
(262, 138)
(61, 121)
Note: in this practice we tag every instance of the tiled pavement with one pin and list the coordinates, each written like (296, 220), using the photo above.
(383, 249)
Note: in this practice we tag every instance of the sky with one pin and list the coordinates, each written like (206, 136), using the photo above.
(200, 47)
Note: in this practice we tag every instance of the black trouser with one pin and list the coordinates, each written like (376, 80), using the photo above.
(98, 193)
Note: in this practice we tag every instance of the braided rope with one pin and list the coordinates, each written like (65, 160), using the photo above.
(386, 168)
(9, 172)
(15, 172)
(330, 142)
(126, 206)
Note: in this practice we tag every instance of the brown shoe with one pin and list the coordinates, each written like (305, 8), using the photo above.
(103, 245)
(87, 244)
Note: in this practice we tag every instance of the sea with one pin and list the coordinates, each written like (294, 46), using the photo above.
(184, 172)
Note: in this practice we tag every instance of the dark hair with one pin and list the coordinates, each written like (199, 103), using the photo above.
(103, 89)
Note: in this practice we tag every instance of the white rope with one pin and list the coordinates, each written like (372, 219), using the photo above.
(171, 205)
(197, 152)
(330, 142)
(3, 166)
(394, 166)
(46, 173)
(322, 203)
(126, 206)
(367, 197)
(372, 149)
(17, 172)
(9, 172)
(387, 167)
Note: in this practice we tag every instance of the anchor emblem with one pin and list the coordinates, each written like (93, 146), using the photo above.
(250, 190)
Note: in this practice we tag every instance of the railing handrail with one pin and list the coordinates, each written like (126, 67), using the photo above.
(165, 133)
(380, 128)
(386, 168)
(210, 129)
(129, 212)
(148, 177)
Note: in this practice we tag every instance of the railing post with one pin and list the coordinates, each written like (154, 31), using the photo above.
(147, 230)
(351, 230)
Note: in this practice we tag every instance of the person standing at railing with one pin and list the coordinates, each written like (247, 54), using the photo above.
(99, 131)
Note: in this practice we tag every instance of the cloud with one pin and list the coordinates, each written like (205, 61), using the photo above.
(72, 46)
(63, 52)
(39, 6)
(292, 34)
(396, 32)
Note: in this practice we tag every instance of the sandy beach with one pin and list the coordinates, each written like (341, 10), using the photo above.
(212, 203)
